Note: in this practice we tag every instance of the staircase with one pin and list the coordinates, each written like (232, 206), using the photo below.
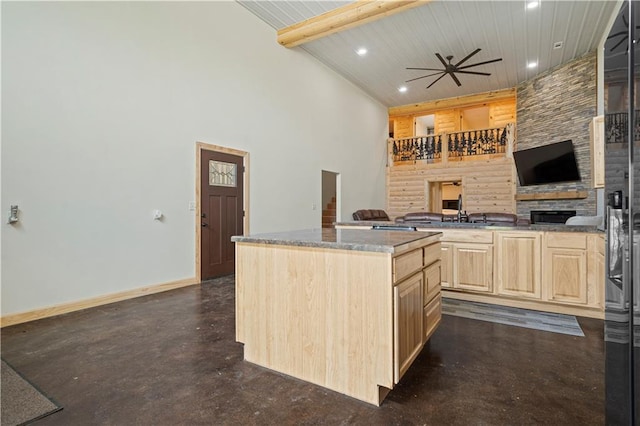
(329, 214)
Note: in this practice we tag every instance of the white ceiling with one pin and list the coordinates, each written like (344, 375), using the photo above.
(502, 29)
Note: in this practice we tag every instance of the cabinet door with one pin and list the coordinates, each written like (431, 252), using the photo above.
(473, 267)
(596, 131)
(432, 316)
(432, 281)
(446, 272)
(518, 262)
(408, 334)
(565, 272)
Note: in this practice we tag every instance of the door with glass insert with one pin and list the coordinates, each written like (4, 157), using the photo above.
(221, 211)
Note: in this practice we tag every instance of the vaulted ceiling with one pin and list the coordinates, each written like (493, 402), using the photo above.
(412, 35)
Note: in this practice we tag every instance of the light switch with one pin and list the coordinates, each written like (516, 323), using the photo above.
(157, 215)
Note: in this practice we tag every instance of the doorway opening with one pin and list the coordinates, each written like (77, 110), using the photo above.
(425, 125)
(330, 198)
(222, 189)
(442, 196)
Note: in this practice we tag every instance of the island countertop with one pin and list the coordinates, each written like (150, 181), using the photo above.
(382, 241)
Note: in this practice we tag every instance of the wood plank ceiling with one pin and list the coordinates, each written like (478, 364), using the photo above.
(411, 35)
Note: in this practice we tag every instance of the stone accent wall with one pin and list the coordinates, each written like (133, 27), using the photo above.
(552, 107)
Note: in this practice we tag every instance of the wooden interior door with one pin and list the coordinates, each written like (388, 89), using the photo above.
(222, 210)
(434, 203)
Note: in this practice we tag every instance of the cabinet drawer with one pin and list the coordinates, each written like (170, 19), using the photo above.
(407, 264)
(432, 253)
(432, 316)
(567, 240)
(432, 277)
(467, 236)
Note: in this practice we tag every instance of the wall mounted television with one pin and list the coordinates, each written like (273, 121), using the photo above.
(551, 163)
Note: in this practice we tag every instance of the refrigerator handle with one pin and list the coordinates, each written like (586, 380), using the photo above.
(614, 249)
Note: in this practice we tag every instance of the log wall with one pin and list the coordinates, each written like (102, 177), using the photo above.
(487, 185)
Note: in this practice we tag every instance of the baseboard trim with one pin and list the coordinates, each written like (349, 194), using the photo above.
(65, 308)
(588, 312)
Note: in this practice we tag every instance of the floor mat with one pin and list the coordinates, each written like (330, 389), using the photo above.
(545, 321)
(21, 402)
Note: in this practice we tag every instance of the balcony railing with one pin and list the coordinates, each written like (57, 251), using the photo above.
(615, 127)
(478, 142)
(418, 148)
(457, 146)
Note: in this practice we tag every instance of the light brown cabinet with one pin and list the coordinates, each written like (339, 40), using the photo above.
(550, 271)
(596, 132)
(431, 298)
(408, 322)
(350, 320)
(518, 260)
(432, 280)
(473, 267)
(432, 316)
(446, 270)
(565, 267)
(416, 303)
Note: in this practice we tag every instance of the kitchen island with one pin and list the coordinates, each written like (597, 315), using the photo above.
(553, 268)
(345, 309)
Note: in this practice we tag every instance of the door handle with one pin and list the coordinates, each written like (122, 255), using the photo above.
(204, 225)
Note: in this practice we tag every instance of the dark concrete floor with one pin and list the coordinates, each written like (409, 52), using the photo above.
(171, 359)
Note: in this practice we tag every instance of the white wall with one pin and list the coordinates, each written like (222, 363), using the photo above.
(102, 105)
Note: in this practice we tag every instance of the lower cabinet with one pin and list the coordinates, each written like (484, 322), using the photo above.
(473, 267)
(544, 270)
(565, 268)
(446, 272)
(408, 310)
(416, 305)
(518, 262)
(431, 298)
(566, 272)
(432, 316)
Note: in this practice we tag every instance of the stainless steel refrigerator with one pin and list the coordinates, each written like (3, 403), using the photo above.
(622, 195)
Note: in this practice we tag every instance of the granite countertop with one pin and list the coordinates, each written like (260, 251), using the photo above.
(345, 239)
(466, 225)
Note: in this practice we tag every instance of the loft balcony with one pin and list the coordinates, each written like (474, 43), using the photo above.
(468, 145)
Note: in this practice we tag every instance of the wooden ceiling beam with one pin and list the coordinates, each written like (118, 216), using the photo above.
(448, 103)
(342, 18)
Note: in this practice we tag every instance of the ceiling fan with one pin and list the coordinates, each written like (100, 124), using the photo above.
(624, 34)
(451, 69)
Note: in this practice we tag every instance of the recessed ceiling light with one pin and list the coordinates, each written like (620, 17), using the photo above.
(402, 89)
(362, 51)
(532, 4)
(532, 64)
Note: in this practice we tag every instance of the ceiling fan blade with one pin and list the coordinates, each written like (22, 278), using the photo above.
(617, 34)
(436, 80)
(473, 72)
(453, 76)
(618, 44)
(441, 59)
(424, 76)
(467, 57)
(479, 63)
(426, 69)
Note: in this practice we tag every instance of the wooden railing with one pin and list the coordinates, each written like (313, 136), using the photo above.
(457, 146)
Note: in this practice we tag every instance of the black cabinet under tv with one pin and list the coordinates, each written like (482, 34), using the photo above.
(551, 216)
